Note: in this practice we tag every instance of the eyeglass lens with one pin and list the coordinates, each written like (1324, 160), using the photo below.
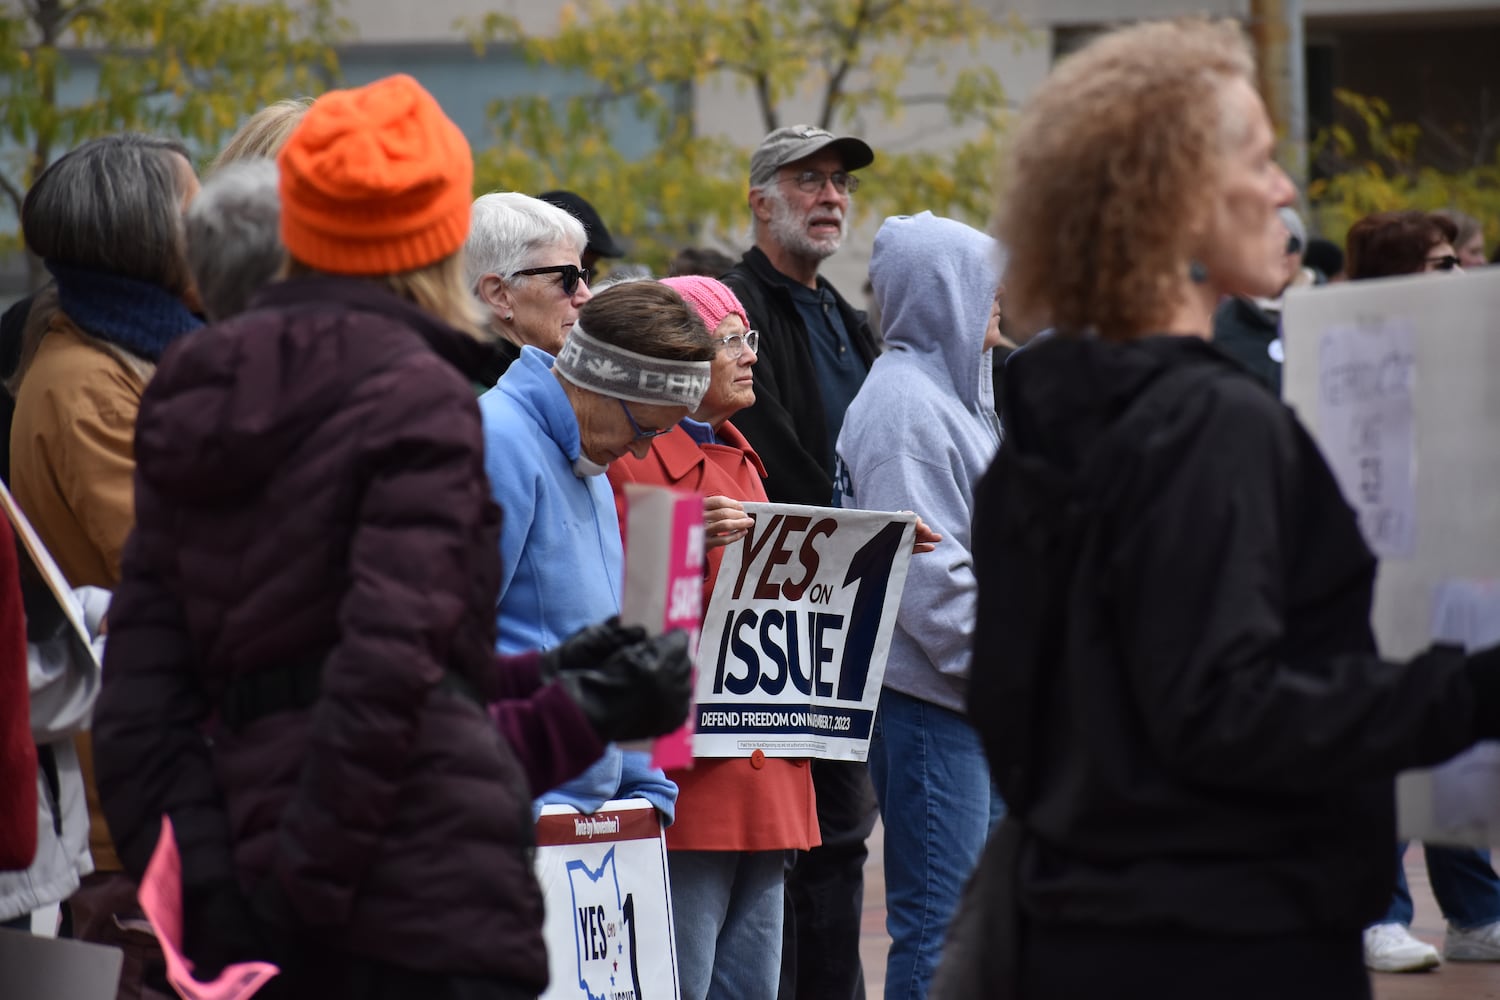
(812, 181)
(735, 343)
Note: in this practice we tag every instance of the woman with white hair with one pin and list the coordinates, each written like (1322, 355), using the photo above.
(525, 267)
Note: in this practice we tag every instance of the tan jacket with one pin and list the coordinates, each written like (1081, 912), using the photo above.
(72, 468)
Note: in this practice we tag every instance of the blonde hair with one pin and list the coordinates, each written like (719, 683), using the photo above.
(1110, 166)
(438, 288)
(263, 133)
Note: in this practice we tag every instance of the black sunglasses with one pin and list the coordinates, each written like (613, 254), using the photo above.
(1447, 262)
(571, 275)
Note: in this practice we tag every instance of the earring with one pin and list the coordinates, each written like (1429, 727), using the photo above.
(508, 317)
(1197, 273)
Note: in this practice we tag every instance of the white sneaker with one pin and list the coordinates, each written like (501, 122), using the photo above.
(1390, 947)
(1481, 944)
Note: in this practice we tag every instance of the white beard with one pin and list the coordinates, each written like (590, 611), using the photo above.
(791, 232)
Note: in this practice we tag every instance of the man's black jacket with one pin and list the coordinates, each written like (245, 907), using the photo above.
(787, 425)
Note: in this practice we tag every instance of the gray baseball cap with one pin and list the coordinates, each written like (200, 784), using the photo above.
(796, 142)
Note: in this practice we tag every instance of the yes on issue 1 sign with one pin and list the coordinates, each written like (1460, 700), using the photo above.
(609, 909)
(797, 631)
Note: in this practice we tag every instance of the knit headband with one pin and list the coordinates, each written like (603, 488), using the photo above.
(614, 371)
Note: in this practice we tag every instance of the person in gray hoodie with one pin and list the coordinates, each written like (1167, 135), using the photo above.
(918, 436)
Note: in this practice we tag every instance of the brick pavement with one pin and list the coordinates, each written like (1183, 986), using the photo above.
(1451, 981)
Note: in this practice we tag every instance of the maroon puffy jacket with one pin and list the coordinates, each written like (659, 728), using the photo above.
(311, 501)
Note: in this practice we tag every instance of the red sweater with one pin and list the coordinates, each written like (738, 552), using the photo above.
(754, 803)
(18, 803)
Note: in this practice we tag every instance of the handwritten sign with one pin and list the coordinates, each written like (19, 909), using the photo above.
(1348, 347)
(1365, 420)
(161, 900)
(664, 583)
(609, 926)
(797, 632)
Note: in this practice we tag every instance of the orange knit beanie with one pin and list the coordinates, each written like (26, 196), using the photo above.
(375, 180)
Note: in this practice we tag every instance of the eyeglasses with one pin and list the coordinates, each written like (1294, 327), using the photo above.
(571, 275)
(640, 435)
(735, 344)
(1447, 262)
(812, 181)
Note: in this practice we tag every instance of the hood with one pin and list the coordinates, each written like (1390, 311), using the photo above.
(231, 402)
(1063, 392)
(934, 281)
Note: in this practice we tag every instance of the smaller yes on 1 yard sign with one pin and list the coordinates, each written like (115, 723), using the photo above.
(608, 926)
(798, 628)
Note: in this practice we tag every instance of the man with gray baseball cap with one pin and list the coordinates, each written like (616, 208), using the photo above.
(815, 350)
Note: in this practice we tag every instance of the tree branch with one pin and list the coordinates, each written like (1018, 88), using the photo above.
(13, 193)
(850, 40)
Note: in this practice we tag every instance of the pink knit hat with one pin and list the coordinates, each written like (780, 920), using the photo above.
(711, 297)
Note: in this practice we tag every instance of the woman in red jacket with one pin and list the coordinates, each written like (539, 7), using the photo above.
(737, 817)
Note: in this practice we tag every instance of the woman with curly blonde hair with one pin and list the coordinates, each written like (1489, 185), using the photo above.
(1174, 671)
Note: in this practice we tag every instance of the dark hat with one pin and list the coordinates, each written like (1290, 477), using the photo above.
(797, 142)
(600, 242)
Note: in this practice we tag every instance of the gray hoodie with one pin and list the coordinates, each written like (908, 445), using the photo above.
(923, 430)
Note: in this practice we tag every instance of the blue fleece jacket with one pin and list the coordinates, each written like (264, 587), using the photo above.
(561, 559)
(923, 430)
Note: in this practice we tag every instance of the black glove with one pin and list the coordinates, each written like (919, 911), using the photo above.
(588, 647)
(642, 690)
(218, 929)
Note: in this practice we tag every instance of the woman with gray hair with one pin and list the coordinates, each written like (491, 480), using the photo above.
(636, 363)
(525, 267)
(234, 236)
(106, 219)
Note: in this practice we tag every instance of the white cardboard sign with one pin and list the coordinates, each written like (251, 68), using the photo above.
(608, 927)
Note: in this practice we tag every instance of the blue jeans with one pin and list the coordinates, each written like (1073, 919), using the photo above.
(1465, 885)
(938, 806)
(728, 908)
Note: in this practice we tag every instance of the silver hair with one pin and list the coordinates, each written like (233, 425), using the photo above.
(507, 229)
(114, 204)
(234, 235)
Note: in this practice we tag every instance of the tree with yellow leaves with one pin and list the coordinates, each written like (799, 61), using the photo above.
(628, 141)
(188, 68)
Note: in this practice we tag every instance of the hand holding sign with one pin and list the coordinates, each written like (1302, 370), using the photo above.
(724, 521)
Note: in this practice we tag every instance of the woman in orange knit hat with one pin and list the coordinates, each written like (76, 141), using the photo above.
(301, 671)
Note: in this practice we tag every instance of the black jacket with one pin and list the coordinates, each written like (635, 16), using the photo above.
(1247, 333)
(1174, 672)
(787, 425)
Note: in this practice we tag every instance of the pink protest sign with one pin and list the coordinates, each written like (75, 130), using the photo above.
(161, 899)
(664, 582)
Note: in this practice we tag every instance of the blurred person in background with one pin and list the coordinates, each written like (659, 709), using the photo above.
(234, 236)
(1387, 244)
(1468, 238)
(600, 244)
